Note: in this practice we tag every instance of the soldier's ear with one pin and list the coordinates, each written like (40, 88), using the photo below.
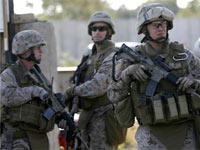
(26, 54)
(144, 30)
(110, 31)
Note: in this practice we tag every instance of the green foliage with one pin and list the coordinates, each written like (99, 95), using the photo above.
(124, 13)
(66, 59)
(193, 9)
(73, 9)
(82, 9)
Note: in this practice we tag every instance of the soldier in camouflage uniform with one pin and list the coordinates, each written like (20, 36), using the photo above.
(94, 74)
(166, 118)
(23, 99)
(197, 48)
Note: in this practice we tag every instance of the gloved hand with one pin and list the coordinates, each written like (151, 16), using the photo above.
(185, 82)
(45, 97)
(62, 124)
(69, 94)
(135, 71)
(40, 92)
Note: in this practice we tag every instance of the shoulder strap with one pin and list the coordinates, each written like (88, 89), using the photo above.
(17, 72)
(178, 52)
(81, 67)
(5, 66)
(177, 46)
(139, 48)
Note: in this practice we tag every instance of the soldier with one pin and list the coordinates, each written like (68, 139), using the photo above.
(23, 99)
(94, 77)
(197, 48)
(166, 118)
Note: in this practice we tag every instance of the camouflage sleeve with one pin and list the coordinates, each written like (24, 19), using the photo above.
(12, 95)
(193, 64)
(99, 83)
(119, 90)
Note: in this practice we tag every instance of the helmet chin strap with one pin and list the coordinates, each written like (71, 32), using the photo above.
(158, 40)
(31, 58)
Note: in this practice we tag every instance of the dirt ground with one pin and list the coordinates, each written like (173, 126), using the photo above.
(130, 143)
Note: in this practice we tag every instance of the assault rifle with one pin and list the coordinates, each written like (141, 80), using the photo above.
(74, 104)
(157, 69)
(74, 109)
(56, 107)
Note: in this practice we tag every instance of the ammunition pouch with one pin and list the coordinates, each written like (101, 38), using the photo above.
(163, 108)
(84, 118)
(29, 117)
(34, 137)
(144, 111)
(125, 113)
(115, 133)
(195, 102)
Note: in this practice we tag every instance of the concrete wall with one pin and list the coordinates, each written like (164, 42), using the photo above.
(72, 36)
(64, 77)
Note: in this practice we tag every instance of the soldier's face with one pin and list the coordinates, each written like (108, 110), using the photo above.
(37, 52)
(157, 29)
(99, 31)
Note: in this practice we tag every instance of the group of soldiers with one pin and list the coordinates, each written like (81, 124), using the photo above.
(168, 115)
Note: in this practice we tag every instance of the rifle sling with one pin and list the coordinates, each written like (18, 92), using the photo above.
(151, 88)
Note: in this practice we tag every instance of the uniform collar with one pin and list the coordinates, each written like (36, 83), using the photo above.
(22, 66)
(151, 52)
(107, 44)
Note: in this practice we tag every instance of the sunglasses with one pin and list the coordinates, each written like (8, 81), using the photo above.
(156, 25)
(100, 28)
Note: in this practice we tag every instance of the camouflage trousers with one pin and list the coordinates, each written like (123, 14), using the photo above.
(18, 144)
(147, 141)
(95, 134)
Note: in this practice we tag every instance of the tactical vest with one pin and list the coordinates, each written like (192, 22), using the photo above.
(28, 116)
(90, 67)
(167, 106)
(167, 113)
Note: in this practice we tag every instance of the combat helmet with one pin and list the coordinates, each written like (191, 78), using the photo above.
(26, 39)
(153, 12)
(101, 17)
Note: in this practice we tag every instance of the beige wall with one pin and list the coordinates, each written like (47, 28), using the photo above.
(72, 35)
(64, 76)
